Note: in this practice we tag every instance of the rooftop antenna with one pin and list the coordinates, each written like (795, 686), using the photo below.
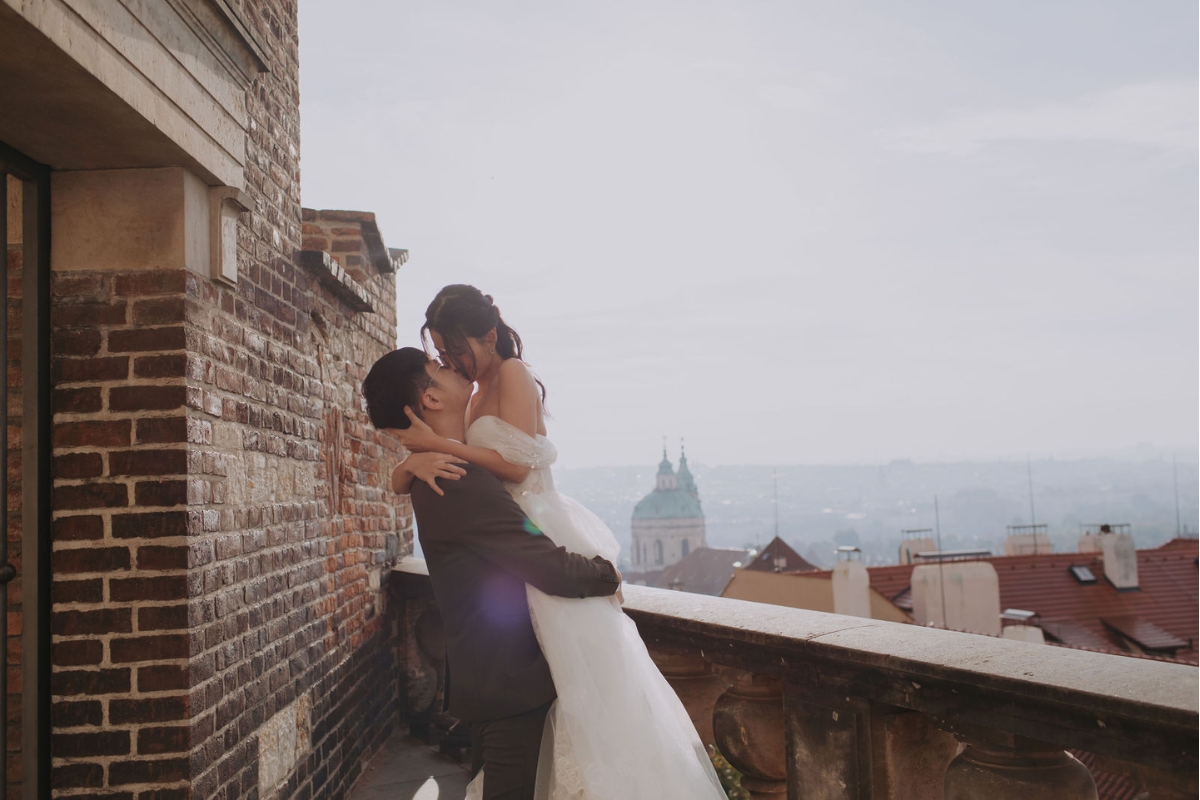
(775, 483)
(1175, 470)
(1032, 517)
(937, 523)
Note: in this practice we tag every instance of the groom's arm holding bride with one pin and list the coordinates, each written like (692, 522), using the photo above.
(477, 512)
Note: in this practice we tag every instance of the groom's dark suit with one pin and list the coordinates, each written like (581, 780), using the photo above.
(481, 550)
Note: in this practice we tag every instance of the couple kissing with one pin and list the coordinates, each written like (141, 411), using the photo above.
(561, 694)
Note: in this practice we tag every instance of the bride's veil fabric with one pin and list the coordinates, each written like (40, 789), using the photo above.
(617, 731)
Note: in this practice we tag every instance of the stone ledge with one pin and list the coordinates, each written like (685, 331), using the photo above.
(331, 275)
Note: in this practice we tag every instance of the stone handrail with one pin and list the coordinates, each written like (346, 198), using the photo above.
(815, 705)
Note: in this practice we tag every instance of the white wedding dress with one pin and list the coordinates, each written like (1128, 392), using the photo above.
(617, 731)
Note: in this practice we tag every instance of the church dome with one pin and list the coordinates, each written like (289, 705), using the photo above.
(674, 497)
(670, 504)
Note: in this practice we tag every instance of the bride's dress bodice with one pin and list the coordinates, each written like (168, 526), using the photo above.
(517, 447)
(567, 523)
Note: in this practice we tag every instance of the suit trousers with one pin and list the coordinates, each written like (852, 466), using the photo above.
(507, 750)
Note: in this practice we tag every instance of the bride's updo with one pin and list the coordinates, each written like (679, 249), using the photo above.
(460, 311)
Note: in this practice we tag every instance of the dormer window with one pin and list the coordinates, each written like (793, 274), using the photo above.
(1082, 574)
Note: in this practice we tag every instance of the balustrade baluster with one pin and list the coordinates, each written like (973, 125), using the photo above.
(1001, 766)
(748, 725)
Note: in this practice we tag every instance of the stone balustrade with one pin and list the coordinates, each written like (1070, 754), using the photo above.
(815, 706)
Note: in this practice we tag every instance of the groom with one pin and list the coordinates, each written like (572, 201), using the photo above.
(481, 551)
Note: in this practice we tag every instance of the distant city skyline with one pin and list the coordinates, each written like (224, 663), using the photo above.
(792, 233)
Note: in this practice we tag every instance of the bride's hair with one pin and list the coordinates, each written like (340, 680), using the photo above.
(460, 311)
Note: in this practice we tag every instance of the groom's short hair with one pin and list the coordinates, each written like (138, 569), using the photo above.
(395, 381)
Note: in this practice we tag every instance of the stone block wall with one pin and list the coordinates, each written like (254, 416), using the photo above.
(221, 527)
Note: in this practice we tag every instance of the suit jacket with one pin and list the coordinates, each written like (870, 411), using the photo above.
(481, 550)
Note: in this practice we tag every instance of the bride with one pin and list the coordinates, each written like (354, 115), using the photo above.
(617, 730)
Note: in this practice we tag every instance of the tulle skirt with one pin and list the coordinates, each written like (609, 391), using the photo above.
(617, 731)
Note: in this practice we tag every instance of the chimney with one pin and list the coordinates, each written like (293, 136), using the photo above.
(851, 585)
(913, 545)
(1120, 560)
(1027, 540)
(1021, 626)
(970, 591)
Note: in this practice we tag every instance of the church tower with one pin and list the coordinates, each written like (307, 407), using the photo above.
(668, 523)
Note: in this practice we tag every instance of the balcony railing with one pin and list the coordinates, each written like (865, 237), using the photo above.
(809, 705)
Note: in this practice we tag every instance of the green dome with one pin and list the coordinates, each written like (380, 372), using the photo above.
(669, 504)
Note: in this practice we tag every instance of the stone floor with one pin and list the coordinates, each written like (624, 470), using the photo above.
(407, 769)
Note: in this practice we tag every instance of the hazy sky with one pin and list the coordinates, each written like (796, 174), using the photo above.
(790, 232)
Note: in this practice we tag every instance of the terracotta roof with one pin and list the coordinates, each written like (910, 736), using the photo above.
(705, 570)
(1160, 618)
(777, 549)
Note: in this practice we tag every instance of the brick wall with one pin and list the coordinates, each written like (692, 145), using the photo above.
(14, 253)
(220, 528)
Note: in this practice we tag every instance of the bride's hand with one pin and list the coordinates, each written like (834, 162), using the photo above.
(418, 437)
(428, 467)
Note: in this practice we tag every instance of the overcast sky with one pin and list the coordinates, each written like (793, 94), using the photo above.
(790, 232)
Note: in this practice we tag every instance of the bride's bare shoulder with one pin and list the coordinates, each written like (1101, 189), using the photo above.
(516, 370)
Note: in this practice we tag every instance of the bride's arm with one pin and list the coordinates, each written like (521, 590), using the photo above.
(427, 467)
(518, 407)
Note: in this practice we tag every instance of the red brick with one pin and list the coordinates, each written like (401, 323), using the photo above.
(69, 342)
(90, 745)
(161, 493)
(151, 557)
(147, 339)
(148, 648)
(76, 776)
(69, 529)
(162, 677)
(150, 282)
(77, 401)
(148, 709)
(168, 366)
(146, 398)
(166, 770)
(162, 618)
(78, 465)
(90, 682)
(91, 495)
(90, 590)
(147, 462)
(86, 370)
(90, 559)
(106, 433)
(155, 741)
(91, 623)
(164, 587)
(181, 793)
(73, 284)
(158, 311)
(152, 525)
(87, 315)
(77, 653)
(66, 714)
(156, 430)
